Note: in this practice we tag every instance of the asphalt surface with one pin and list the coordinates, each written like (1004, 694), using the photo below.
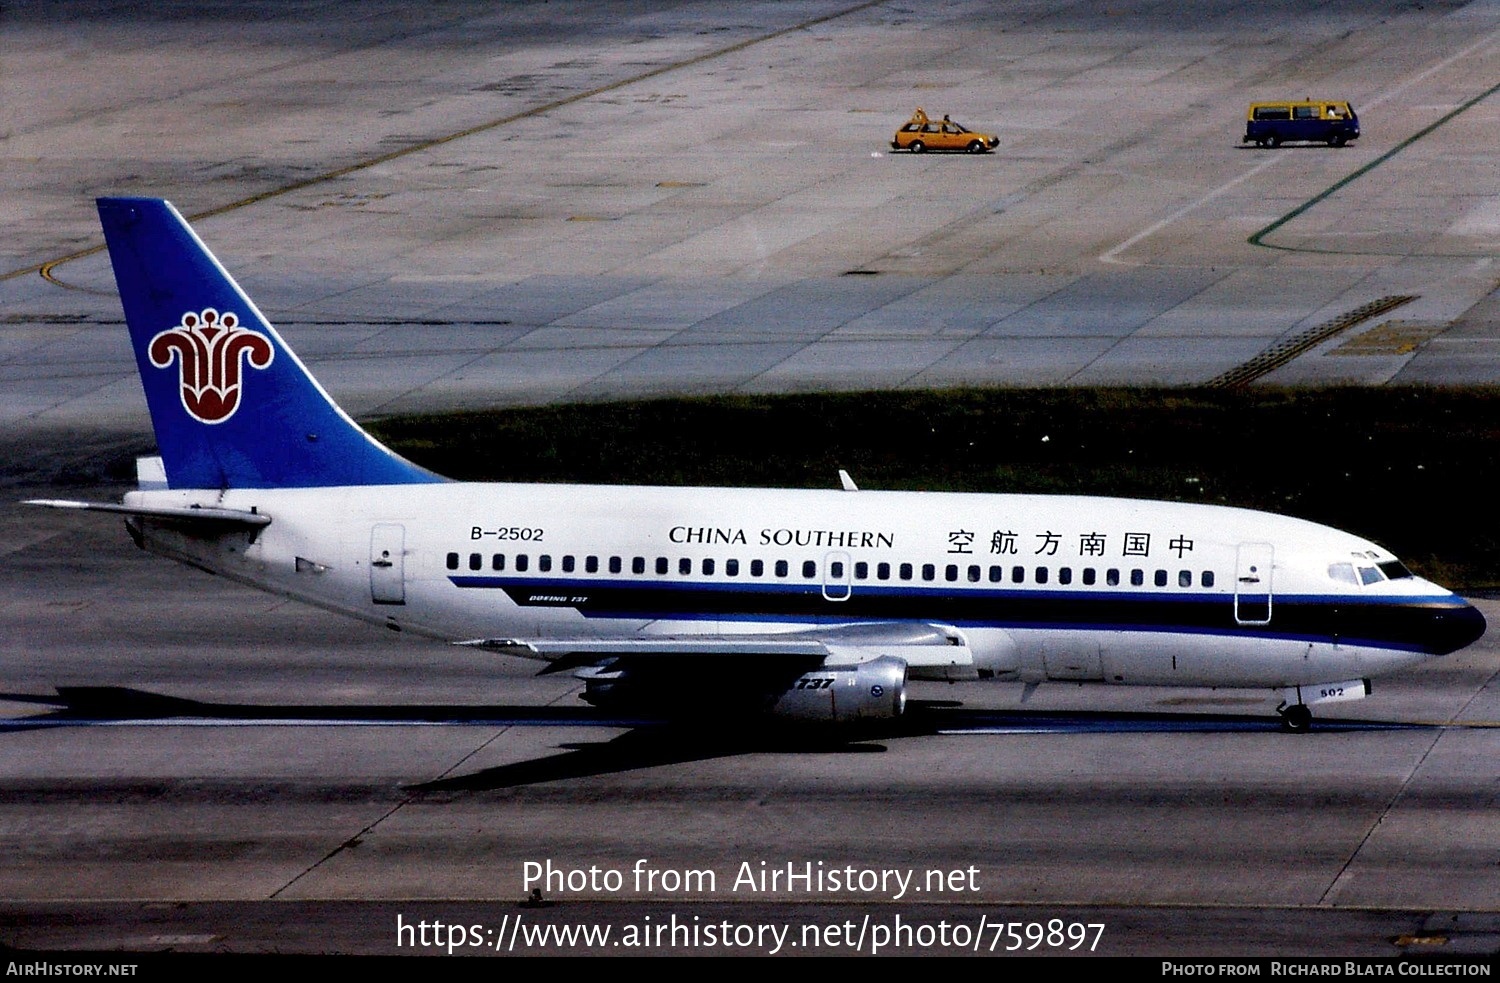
(459, 205)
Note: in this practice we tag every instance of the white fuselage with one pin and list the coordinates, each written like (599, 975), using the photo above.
(1034, 587)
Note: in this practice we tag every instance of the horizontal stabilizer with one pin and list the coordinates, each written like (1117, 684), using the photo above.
(183, 513)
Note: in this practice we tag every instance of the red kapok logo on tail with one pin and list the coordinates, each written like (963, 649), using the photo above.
(210, 349)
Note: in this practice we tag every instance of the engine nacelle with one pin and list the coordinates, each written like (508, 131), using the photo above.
(703, 689)
(874, 690)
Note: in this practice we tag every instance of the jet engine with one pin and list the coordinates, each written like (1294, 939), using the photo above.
(874, 690)
(839, 694)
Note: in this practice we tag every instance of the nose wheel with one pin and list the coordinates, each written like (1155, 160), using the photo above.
(1296, 718)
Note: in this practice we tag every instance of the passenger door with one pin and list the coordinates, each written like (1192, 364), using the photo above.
(1252, 584)
(388, 563)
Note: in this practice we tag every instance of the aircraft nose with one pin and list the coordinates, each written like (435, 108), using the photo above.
(1452, 628)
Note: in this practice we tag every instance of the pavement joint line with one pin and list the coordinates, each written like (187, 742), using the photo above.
(1287, 349)
(45, 269)
(413, 794)
(1390, 805)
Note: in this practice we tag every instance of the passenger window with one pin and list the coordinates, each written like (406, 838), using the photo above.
(974, 574)
(757, 568)
(1207, 579)
(638, 564)
(708, 568)
(1041, 575)
(882, 571)
(1112, 578)
(861, 570)
(662, 565)
(997, 574)
(809, 569)
(1160, 578)
(684, 566)
(523, 562)
(781, 568)
(1088, 576)
(1184, 578)
(950, 573)
(731, 568)
(544, 563)
(476, 562)
(1137, 578)
(1018, 575)
(905, 571)
(615, 564)
(567, 564)
(929, 571)
(1065, 575)
(452, 561)
(836, 570)
(591, 564)
(497, 562)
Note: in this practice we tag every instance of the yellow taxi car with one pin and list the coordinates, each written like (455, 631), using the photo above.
(921, 134)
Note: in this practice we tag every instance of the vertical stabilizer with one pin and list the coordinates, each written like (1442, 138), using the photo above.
(232, 405)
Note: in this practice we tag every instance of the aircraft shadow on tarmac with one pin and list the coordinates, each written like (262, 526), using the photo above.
(646, 743)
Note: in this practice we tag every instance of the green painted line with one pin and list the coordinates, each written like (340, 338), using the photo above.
(1258, 239)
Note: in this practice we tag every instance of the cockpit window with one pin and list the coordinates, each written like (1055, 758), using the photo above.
(1343, 573)
(1367, 569)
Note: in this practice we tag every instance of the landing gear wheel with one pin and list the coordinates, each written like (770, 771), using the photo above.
(1297, 719)
(917, 146)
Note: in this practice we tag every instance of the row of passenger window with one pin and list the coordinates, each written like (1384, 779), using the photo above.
(837, 573)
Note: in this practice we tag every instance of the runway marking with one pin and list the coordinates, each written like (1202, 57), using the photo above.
(1113, 255)
(45, 269)
(1258, 239)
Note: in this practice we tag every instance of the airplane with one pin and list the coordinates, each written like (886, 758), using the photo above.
(722, 603)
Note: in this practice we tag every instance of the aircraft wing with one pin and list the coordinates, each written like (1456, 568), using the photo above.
(919, 644)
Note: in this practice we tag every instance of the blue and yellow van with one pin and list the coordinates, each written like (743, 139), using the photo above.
(1270, 124)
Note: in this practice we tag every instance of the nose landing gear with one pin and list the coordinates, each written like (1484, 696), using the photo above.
(1296, 718)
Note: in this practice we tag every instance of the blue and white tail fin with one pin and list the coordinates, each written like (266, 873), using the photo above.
(232, 405)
